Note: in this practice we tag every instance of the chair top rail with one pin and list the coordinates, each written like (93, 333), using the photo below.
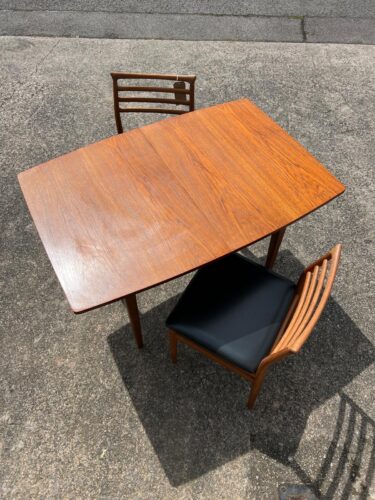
(143, 76)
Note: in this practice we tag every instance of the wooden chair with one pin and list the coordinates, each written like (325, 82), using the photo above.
(246, 317)
(183, 90)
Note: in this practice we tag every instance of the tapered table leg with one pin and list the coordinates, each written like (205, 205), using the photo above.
(275, 243)
(131, 304)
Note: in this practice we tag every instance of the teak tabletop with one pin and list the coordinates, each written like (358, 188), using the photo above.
(137, 209)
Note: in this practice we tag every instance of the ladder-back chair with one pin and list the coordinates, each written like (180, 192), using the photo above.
(183, 90)
(246, 318)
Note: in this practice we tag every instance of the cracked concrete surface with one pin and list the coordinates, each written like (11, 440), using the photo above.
(83, 413)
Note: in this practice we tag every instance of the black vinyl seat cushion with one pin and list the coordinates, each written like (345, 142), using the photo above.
(234, 308)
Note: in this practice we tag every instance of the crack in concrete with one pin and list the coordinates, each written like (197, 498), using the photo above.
(39, 63)
(20, 87)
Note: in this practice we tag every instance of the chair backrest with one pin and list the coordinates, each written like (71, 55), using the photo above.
(313, 290)
(183, 90)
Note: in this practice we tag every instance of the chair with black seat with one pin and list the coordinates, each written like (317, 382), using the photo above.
(183, 90)
(246, 317)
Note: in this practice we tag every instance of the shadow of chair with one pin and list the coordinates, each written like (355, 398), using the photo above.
(347, 461)
(194, 414)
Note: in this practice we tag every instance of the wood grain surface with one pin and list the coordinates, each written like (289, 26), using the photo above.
(140, 208)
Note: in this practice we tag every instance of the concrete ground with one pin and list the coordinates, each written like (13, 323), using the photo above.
(339, 21)
(83, 413)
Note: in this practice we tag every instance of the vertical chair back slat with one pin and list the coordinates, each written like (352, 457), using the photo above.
(311, 289)
(183, 89)
(311, 305)
(296, 312)
(308, 304)
(304, 301)
(312, 294)
(323, 300)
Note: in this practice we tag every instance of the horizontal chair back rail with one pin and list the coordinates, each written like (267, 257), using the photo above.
(159, 100)
(153, 110)
(168, 90)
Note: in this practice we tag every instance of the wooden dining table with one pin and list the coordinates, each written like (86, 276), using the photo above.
(138, 209)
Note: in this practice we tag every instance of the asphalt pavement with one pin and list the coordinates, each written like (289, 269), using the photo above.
(338, 21)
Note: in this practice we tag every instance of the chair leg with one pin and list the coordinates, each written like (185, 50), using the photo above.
(255, 388)
(173, 346)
